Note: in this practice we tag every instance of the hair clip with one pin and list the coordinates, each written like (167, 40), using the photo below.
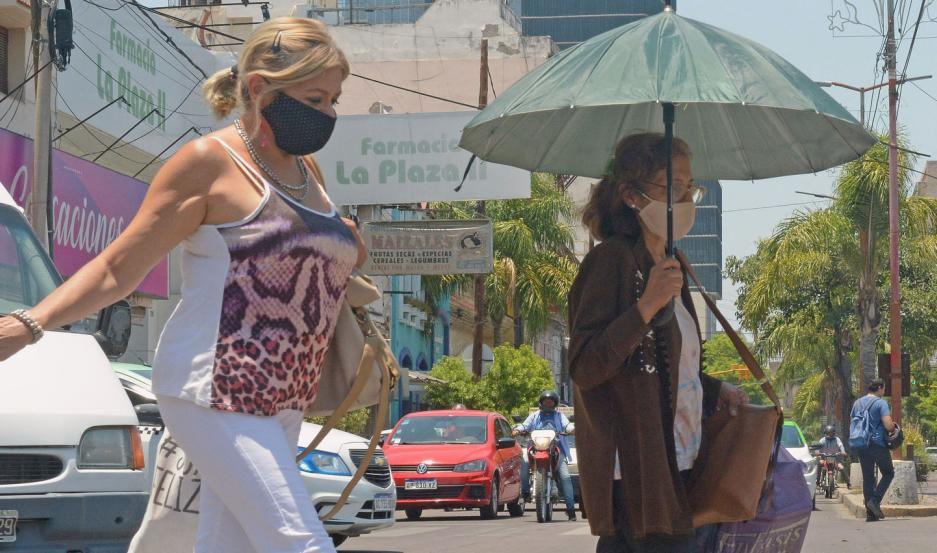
(276, 43)
(234, 72)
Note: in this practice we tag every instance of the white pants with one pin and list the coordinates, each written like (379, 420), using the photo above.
(252, 498)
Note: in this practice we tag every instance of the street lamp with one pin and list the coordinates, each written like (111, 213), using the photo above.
(863, 89)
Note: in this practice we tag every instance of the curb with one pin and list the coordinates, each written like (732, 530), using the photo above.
(856, 505)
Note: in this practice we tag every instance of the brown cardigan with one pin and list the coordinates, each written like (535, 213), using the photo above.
(618, 398)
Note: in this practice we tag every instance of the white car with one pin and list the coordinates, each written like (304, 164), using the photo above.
(326, 471)
(793, 440)
(70, 453)
(931, 453)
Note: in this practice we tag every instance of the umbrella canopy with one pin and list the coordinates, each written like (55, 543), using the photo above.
(745, 112)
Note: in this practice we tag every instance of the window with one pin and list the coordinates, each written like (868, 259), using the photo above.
(26, 274)
(4, 57)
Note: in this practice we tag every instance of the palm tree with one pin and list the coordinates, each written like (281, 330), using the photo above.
(862, 192)
(532, 268)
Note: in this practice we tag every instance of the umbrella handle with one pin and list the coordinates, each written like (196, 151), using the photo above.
(666, 313)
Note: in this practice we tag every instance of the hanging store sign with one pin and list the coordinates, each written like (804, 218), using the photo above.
(91, 206)
(428, 247)
(119, 53)
(411, 158)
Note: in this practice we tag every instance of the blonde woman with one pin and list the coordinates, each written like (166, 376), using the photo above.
(265, 261)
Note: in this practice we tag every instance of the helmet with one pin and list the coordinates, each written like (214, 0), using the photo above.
(458, 407)
(828, 430)
(550, 394)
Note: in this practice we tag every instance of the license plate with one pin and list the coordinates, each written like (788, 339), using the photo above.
(420, 485)
(383, 502)
(8, 518)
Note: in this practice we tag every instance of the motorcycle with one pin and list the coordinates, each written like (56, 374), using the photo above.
(826, 473)
(543, 455)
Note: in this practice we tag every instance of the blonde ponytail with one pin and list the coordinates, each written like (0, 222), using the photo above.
(221, 93)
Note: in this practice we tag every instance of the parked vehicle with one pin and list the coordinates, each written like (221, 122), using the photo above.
(931, 452)
(326, 471)
(793, 440)
(71, 458)
(544, 455)
(449, 459)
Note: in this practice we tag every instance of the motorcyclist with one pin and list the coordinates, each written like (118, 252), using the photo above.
(830, 444)
(549, 418)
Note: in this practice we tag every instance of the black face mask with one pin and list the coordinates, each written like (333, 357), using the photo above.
(298, 129)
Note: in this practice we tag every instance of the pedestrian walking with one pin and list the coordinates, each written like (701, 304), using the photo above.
(637, 445)
(871, 421)
(265, 262)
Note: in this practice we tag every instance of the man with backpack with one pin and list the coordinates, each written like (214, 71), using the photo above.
(870, 422)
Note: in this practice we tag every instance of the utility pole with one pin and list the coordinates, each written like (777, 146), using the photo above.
(480, 312)
(895, 319)
(38, 205)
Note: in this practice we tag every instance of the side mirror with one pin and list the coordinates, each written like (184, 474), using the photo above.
(505, 443)
(382, 439)
(148, 414)
(113, 332)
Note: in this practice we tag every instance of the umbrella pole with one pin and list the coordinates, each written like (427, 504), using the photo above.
(664, 315)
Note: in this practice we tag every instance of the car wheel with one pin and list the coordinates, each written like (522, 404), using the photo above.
(490, 511)
(338, 539)
(413, 514)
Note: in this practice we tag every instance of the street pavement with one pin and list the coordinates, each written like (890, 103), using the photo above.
(832, 530)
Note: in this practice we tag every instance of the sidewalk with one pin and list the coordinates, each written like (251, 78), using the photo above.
(855, 503)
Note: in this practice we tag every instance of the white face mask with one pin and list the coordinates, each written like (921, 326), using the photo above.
(654, 216)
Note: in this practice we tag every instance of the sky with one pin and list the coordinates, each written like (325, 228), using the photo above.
(799, 30)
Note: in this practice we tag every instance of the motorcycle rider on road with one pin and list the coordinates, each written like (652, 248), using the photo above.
(549, 418)
(830, 444)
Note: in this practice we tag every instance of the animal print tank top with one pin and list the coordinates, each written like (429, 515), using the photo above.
(260, 298)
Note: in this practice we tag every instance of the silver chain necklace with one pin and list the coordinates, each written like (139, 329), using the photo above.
(298, 191)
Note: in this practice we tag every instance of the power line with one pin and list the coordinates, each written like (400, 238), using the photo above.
(239, 40)
(130, 91)
(924, 91)
(172, 43)
(29, 78)
(767, 207)
(131, 33)
(904, 70)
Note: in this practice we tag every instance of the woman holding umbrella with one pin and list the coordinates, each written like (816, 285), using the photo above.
(640, 391)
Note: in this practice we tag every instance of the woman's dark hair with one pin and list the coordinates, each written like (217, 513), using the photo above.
(876, 385)
(638, 158)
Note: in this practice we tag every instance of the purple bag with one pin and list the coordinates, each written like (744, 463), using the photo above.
(781, 523)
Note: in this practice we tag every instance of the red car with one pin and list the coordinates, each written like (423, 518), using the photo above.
(461, 458)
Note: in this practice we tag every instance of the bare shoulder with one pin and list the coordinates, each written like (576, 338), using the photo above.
(194, 167)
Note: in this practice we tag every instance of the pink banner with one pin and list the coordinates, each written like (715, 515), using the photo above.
(91, 206)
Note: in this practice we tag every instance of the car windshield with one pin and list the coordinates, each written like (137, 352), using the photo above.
(790, 437)
(26, 275)
(442, 429)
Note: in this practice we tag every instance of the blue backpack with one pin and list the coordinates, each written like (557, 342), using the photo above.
(860, 428)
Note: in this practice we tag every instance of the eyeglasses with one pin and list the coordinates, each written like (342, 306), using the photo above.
(694, 192)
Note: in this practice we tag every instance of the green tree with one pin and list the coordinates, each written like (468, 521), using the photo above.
(354, 422)
(862, 199)
(722, 361)
(458, 386)
(516, 379)
(533, 264)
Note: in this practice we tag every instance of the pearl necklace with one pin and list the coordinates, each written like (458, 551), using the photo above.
(298, 191)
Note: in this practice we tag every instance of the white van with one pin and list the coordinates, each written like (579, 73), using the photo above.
(71, 461)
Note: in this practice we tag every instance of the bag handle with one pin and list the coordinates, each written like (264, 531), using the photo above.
(740, 346)
(365, 367)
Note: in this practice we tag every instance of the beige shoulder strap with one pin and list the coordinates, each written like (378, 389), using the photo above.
(252, 175)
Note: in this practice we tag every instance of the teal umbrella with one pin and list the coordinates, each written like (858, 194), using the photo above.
(745, 112)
